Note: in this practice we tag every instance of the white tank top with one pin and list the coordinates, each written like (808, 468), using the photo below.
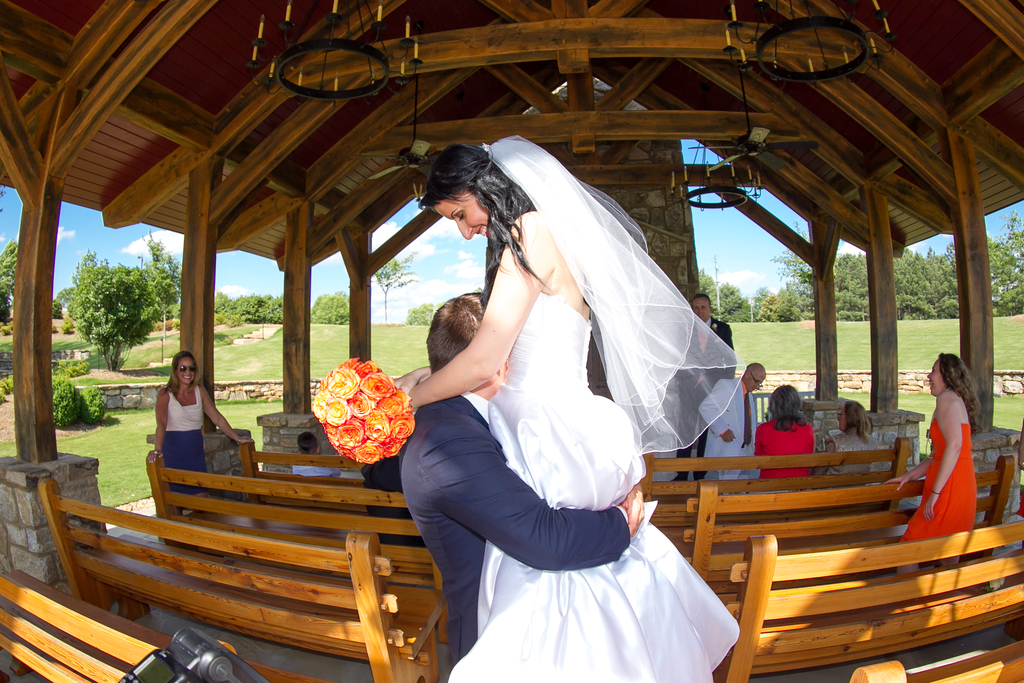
(185, 418)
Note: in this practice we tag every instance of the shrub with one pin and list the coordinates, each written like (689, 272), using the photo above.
(68, 326)
(58, 310)
(90, 405)
(53, 329)
(159, 326)
(229, 319)
(65, 402)
(6, 387)
(71, 368)
(6, 330)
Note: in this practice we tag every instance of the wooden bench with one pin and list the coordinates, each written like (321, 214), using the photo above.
(330, 600)
(886, 464)
(711, 529)
(996, 666)
(65, 639)
(814, 609)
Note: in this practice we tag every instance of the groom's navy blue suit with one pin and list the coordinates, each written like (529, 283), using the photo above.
(461, 494)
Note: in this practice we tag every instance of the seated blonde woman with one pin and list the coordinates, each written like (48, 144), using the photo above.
(856, 435)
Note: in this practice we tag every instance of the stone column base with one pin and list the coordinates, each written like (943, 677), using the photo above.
(987, 449)
(25, 540)
(824, 417)
(887, 426)
(280, 431)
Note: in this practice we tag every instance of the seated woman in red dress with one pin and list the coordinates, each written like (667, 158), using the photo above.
(787, 433)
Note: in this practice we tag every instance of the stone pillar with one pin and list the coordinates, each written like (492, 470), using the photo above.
(280, 431)
(824, 417)
(987, 449)
(887, 426)
(25, 540)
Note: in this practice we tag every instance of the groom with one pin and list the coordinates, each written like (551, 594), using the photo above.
(462, 494)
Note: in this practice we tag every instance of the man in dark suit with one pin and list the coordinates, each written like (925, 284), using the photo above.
(462, 494)
(701, 305)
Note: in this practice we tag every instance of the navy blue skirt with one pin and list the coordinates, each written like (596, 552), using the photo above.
(185, 451)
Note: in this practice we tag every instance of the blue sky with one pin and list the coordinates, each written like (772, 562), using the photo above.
(446, 265)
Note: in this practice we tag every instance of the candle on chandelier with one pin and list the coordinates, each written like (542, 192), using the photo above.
(732, 169)
(416, 48)
(686, 178)
(408, 24)
(272, 65)
(260, 34)
(728, 40)
(380, 11)
(255, 50)
(846, 56)
(403, 67)
(750, 174)
(872, 41)
(334, 10)
(732, 8)
(743, 55)
(335, 81)
(288, 11)
(875, 3)
(673, 185)
(810, 65)
(300, 78)
(885, 23)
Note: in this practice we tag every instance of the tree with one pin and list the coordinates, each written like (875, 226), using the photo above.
(421, 315)
(113, 307)
(851, 277)
(394, 274)
(8, 261)
(799, 280)
(735, 308)
(64, 296)
(164, 275)
(330, 309)
(707, 285)
(1006, 257)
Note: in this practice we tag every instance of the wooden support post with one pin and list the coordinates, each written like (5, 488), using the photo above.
(198, 267)
(296, 311)
(33, 296)
(359, 299)
(973, 276)
(825, 238)
(882, 304)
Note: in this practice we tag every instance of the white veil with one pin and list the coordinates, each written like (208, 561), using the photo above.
(660, 359)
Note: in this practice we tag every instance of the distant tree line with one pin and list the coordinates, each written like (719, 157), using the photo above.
(925, 285)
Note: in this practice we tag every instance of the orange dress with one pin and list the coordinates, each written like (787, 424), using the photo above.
(957, 506)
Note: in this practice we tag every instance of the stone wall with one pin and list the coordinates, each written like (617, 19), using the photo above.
(1005, 382)
(7, 359)
(824, 417)
(25, 540)
(143, 396)
(280, 431)
(987, 448)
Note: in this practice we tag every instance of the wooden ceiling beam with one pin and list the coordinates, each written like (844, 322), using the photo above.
(772, 225)
(354, 204)
(524, 85)
(618, 151)
(657, 175)
(255, 220)
(998, 150)
(18, 152)
(33, 45)
(788, 194)
(825, 240)
(626, 89)
(518, 11)
(614, 9)
(156, 108)
(653, 97)
(171, 22)
(988, 77)
(1003, 18)
(422, 222)
(383, 210)
(619, 125)
(108, 28)
(913, 201)
(166, 179)
(339, 161)
(270, 152)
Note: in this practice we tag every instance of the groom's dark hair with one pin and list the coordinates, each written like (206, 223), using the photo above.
(454, 326)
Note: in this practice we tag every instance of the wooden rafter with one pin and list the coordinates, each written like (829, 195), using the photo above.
(101, 37)
(771, 224)
(149, 46)
(524, 85)
(422, 222)
(517, 10)
(632, 84)
(18, 154)
(998, 150)
(656, 175)
(1003, 18)
(613, 9)
(33, 45)
(355, 203)
(166, 179)
(618, 125)
(255, 220)
(825, 240)
(988, 77)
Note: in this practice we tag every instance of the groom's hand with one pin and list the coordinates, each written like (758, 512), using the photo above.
(727, 435)
(634, 507)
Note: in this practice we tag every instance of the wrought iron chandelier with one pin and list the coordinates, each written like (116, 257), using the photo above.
(705, 189)
(303, 67)
(858, 46)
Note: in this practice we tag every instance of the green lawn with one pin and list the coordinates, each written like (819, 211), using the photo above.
(120, 445)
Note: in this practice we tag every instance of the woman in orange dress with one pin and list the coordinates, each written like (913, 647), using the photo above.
(950, 498)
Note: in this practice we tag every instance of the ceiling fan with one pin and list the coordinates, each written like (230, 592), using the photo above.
(414, 156)
(754, 142)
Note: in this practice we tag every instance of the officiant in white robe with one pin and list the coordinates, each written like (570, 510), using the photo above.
(731, 433)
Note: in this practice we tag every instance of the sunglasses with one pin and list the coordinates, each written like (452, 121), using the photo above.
(186, 368)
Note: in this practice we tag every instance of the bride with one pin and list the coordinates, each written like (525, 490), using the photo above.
(561, 252)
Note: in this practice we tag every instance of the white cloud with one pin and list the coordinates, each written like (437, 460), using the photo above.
(401, 300)
(466, 270)
(384, 233)
(233, 291)
(334, 259)
(172, 241)
(742, 277)
(465, 255)
(847, 248)
(64, 234)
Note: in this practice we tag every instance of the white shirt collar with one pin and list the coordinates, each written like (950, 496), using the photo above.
(478, 402)
(708, 323)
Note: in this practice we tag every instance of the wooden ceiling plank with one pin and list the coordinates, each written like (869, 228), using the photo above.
(256, 220)
(518, 11)
(138, 58)
(104, 33)
(165, 180)
(998, 150)
(988, 77)
(524, 85)
(618, 151)
(32, 45)
(772, 225)
(355, 203)
(338, 161)
(273, 150)
(422, 222)
(632, 84)
(1003, 18)
(18, 152)
(619, 125)
(614, 9)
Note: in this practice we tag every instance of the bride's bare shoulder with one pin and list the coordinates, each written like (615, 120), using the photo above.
(531, 227)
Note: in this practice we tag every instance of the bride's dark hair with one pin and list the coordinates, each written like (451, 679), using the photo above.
(465, 169)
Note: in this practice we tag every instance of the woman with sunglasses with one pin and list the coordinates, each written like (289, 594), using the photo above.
(179, 421)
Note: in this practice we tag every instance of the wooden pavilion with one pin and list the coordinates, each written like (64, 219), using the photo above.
(144, 109)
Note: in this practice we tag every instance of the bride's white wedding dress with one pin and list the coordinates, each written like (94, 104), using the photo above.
(647, 616)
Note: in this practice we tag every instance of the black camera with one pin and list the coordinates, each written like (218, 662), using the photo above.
(193, 657)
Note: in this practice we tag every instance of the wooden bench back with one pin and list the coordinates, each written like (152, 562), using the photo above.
(814, 609)
(324, 527)
(68, 640)
(889, 463)
(327, 599)
(853, 516)
(995, 666)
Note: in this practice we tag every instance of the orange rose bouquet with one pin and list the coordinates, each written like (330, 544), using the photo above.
(364, 415)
